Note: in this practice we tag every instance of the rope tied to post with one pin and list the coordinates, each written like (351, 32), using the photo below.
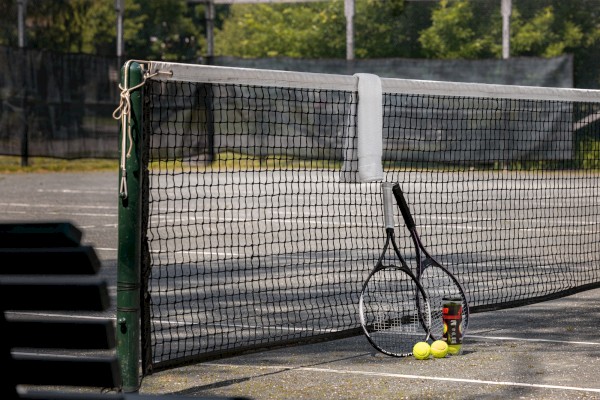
(123, 113)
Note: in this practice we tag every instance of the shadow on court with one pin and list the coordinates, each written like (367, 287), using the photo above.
(548, 350)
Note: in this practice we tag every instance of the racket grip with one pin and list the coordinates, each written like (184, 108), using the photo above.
(401, 201)
(388, 209)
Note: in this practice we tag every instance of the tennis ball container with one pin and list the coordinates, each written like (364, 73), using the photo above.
(453, 324)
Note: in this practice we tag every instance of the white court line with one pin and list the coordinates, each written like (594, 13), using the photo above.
(413, 377)
(99, 226)
(252, 327)
(562, 221)
(464, 225)
(462, 380)
(105, 249)
(206, 253)
(416, 377)
(532, 340)
(72, 316)
(80, 214)
(76, 191)
(210, 253)
(284, 328)
(155, 222)
(70, 207)
(469, 227)
(167, 322)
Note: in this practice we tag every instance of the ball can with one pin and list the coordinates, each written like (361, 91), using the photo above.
(452, 318)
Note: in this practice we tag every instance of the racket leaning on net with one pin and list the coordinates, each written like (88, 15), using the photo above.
(439, 283)
(394, 310)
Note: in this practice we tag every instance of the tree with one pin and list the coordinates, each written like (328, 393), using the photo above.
(389, 28)
(294, 30)
(545, 34)
(76, 26)
(382, 28)
(174, 29)
(158, 29)
(471, 29)
(8, 23)
(456, 32)
(164, 30)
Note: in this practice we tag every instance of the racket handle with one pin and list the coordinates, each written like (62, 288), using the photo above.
(408, 219)
(388, 209)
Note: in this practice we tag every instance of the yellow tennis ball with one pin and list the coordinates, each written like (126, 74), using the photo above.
(421, 351)
(439, 349)
(454, 349)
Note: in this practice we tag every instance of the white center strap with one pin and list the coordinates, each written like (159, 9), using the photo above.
(369, 128)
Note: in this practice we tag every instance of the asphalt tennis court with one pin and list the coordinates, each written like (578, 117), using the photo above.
(549, 350)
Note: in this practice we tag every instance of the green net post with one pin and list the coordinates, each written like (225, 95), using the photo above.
(128, 264)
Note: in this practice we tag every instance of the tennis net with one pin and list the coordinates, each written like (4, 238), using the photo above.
(258, 230)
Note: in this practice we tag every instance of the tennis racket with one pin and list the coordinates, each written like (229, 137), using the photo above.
(442, 288)
(393, 306)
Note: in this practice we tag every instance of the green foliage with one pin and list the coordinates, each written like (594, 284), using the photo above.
(466, 29)
(158, 29)
(388, 28)
(8, 23)
(76, 26)
(175, 29)
(453, 32)
(391, 28)
(164, 30)
(293, 30)
(67, 26)
(588, 154)
(544, 34)
(44, 164)
(382, 28)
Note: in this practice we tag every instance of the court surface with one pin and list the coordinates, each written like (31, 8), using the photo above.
(548, 350)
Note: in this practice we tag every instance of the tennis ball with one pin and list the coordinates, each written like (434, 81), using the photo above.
(454, 349)
(421, 351)
(439, 349)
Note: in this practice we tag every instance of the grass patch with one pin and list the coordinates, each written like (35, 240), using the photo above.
(228, 161)
(43, 164)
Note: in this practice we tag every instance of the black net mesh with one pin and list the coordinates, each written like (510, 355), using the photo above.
(58, 105)
(255, 240)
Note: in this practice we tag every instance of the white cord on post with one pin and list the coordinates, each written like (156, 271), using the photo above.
(123, 113)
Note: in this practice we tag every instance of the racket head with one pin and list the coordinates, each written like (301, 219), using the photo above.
(394, 310)
(440, 284)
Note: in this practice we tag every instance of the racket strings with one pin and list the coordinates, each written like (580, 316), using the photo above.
(394, 311)
(440, 287)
